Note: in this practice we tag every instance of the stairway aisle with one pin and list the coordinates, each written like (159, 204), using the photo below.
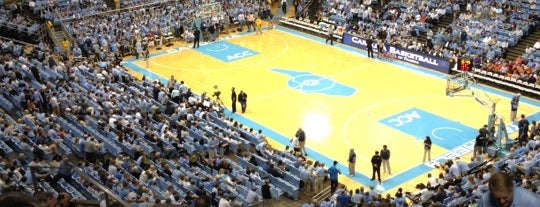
(444, 21)
(277, 11)
(111, 4)
(527, 41)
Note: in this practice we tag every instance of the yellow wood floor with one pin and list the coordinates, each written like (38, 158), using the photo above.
(333, 123)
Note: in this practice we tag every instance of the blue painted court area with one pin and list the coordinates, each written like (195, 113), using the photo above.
(419, 124)
(311, 83)
(149, 74)
(226, 51)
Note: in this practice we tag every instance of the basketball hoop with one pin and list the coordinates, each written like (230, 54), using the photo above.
(459, 82)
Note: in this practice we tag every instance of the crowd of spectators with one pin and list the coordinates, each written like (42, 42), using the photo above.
(15, 25)
(400, 23)
(482, 30)
(459, 183)
(397, 23)
(486, 29)
(119, 113)
(136, 137)
(158, 142)
(132, 30)
(56, 11)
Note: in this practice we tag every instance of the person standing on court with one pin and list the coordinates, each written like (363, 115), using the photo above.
(197, 38)
(352, 162)
(147, 58)
(385, 156)
(233, 100)
(479, 145)
(330, 34)
(427, 149)
(270, 22)
(480, 141)
(296, 146)
(523, 127)
(369, 46)
(376, 161)
(242, 98)
(301, 135)
(333, 172)
(284, 7)
(514, 106)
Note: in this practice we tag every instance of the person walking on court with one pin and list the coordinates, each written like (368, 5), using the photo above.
(330, 34)
(385, 156)
(242, 98)
(427, 149)
(147, 58)
(258, 26)
(270, 22)
(376, 161)
(369, 46)
(233, 100)
(352, 162)
(333, 172)
(514, 106)
(197, 37)
(301, 135)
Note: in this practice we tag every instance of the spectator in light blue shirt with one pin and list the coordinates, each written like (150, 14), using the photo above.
(502, 193)
(490, 55)
(326, 203)
(333, 172)
(309, 205)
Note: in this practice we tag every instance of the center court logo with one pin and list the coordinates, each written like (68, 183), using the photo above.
(240, 55)
(312, 83)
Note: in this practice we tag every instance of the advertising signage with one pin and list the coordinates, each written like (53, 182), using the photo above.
(406, 55)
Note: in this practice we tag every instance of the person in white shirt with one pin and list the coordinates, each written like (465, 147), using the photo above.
(252, 197)
(356, 198)
(295, 144)
(261, 148)
(224, 201)
(537, 45)
(432, 181)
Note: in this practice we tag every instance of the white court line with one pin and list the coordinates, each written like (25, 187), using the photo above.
(225, 47)
(440, 128)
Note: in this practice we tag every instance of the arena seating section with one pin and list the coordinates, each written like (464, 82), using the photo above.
(489, 29)
(14, 25)
(150, 145)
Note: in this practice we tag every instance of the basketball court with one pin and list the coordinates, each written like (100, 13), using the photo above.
(340, 98)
